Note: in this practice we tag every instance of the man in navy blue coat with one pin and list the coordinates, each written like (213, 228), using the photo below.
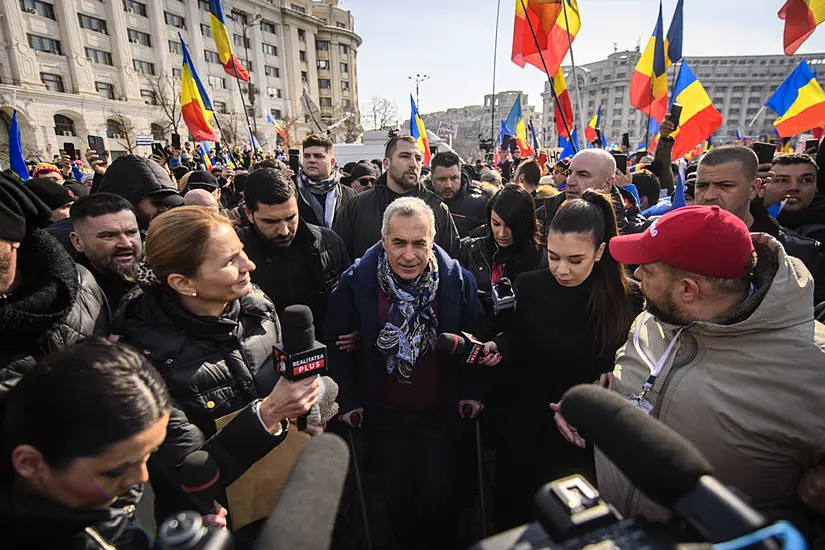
(402, 293)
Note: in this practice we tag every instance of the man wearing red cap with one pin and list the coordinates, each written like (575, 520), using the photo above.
(727, 354)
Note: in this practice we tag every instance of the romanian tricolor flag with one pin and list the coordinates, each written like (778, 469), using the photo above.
(699, 118)
(278, 127)
(518, 129)
(799, 102)
(418, 131)
(221, 35)
(564, 108)
(801, 18)
(673, 40)
(595, 124)
(551, 28)
(207, 162)
(195, 105)
(648, 86)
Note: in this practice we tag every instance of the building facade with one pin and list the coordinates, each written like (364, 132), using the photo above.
(476, 122)
(111, 68)
(737, 86)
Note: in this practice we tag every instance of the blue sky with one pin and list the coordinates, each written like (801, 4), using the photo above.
(452, 42)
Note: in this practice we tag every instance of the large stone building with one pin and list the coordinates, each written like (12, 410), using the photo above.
(478, 121)
(111, 68)
(738, 87)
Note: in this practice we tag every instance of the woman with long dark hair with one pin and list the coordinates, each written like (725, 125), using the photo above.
(570, 320)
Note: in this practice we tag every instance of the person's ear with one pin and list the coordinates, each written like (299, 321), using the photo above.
(688, 291)
(182, 285)
(77, 243)
(755, 188)
(600, 252)
(386, 164)
(332, 162)
(28, 462)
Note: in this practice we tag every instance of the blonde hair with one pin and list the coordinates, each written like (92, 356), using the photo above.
(177, 240)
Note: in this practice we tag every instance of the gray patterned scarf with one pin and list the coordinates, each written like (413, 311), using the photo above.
(311, 190)
(411, 325)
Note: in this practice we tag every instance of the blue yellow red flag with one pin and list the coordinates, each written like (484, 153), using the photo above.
(196, 107)
(648, 85)
(16, 159)
(673, 41)
(419, 132)
(217, 21)
(515, 123)
(799, 102)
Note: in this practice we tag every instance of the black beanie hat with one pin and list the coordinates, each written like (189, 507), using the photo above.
(21, 212)
(54, 194)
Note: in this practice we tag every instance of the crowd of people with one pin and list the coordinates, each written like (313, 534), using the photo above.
(140, 302)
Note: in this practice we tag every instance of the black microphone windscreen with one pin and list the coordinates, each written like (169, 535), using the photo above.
(304, 516)
(452, 344)
(198, 475)
(657, 460)
(298, 329)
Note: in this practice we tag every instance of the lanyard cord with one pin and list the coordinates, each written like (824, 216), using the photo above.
(656, 369)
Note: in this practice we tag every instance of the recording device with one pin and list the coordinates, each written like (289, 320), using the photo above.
(198, 476)
(294, 160)
(187, 531)
(811, 146)
(68, 146)
(675, 114)
(626, 140)
(621, 162)
(764, 151)
(176, 141)
(96, 143)
(464, 345)
(299, 355)
(504, 298)
(656, 460)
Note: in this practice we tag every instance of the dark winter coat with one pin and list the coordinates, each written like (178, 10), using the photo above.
(809, 222)
(57, 304)
(628, 216)
(355, 303)
(359, 224)
(319, 260)
(468, 207)
(134, 178)
(307, 214)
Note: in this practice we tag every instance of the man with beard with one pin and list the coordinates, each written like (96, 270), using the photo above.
(107, 238)
(46, 301)
(321, 194)
(297, 262)
(468, 206)
(728, 355)
(359, 224)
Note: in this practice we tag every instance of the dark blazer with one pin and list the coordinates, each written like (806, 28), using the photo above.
(355, 303)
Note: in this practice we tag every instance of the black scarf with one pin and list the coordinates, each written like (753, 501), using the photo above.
(46, 295)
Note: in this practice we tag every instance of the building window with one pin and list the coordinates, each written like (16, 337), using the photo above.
(114, 129)
(175, 47)
(63, 125)
(302, 55)
(340, 25)
(304, 76)
(149, 97)
(344, 85)
(325, 101)
(43, 44)
(206, 30)
(269, 49)
(240, 17)
(174, 20)
(144, 67)
(274, 93)
(324, 83)
(211, 57)
(269, 70)
(276, 113)
(105, 90)
(240, 41)
(250, 112)
(137, 37)
(177, 73)
(92, 23)
(158, 132)
(203, 5)
(133, 6)
(346, 103)
(322, 64)
(220, 107)
(299, 9)
(216, 82)
(43, 9)
(322, 45)
(344, 68)
(271, 28)
(302, 35)
(343, 49)
(99, 56)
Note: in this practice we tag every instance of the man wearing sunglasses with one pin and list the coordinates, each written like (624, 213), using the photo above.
(363, 177)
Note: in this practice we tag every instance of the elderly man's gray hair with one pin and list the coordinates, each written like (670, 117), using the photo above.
(408, 207)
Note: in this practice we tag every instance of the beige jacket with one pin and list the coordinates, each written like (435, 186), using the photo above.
(748, 391)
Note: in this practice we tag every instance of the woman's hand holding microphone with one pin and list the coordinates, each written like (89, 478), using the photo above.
(289, 400)
(491, 356)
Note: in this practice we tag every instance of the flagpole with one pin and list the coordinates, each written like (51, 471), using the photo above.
(759, 112)
(573, 64)
(246, 114)
(493, 96)
(559, 110)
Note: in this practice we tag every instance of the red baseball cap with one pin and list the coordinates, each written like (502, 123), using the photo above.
(704, 240)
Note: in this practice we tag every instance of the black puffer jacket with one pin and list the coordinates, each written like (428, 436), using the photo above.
(359, 224)
(468, 207)
(57, 304)
(628, 216)
(808, 223)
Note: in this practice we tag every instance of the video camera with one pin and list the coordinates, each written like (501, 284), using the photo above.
(504, 298)
(663, 466)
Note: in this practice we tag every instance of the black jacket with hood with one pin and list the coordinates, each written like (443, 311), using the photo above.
(809, 222)
(468, 207)
(359, 224)
(135, 178)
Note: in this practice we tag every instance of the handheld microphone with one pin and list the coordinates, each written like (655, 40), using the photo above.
(198, 475)
(659, 462)
(463, 345)
(305, 513)
(299, 355)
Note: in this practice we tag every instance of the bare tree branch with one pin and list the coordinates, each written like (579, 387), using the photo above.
(125, 130)
(167, 94)
(379, 113)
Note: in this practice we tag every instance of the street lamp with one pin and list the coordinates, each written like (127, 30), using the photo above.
(257, 20)
(419, 78)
